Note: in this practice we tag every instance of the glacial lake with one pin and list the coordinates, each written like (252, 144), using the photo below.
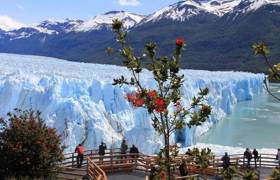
(254, 124)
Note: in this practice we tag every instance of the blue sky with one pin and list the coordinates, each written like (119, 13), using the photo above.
(34, 11)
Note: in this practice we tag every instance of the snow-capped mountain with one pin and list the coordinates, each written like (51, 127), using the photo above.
(207, 24)
(57, 26)
(186, 9)
(50, 27)
(246, 6)
(129, 20)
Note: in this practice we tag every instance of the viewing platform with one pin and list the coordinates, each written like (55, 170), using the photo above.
(116, 166)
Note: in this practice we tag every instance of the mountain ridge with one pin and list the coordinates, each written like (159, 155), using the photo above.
(214, 41)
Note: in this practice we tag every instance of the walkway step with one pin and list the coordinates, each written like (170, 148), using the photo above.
(69, 177)
(72, 173)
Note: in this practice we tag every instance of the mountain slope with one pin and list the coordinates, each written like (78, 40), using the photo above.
(219, 34)
(105, 21)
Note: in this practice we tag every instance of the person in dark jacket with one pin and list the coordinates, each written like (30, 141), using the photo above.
(101, 151)
(248, 156)
(189, 152)
(183, 168)
(278, 156)
(134, 150)
(226, 161)
(152, 173)
(256, 156)
(124, 148)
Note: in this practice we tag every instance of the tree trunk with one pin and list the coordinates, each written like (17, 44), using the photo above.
(167, 157)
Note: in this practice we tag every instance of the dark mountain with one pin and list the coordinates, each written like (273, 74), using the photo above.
(219, 34)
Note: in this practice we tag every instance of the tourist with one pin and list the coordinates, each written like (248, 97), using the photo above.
(101, 151)
(80, 157)
(152, 173)
(278, 156)
(189, 152)
(226, 161)
(134, 150)
(248, 156)
(256, 156)
(124, 148)
(183, 168)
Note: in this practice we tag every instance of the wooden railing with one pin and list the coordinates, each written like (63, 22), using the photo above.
(70, 158)
(264, 160)
(94, 171)
(113, 160)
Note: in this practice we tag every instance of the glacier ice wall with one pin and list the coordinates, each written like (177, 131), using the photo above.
(81, 97)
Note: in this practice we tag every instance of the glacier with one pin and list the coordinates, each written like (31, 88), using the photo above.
(79, 100)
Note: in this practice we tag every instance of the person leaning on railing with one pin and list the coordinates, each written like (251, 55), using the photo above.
(248, 156)
(134, 150)
(124, 148)
(226, 161)
(183, 168)
(80, 150)
(278, 157)
(152, 172)
(101, 151)
(256, 156)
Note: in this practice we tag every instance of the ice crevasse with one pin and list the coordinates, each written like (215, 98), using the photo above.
(80, 101)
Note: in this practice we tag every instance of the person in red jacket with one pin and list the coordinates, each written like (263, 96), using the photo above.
(80, 150)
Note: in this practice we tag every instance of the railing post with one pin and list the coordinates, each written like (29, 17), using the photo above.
(260, 160)
(135, 162)
(111, 159)
(214, 165)
(87, 166)
(72, 160)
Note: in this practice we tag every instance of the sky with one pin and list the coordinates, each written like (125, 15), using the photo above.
(34, 11)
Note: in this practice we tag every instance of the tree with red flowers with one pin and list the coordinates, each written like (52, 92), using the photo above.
(164, 103)
(28, 148)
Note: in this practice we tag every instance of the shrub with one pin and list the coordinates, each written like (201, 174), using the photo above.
(28, 147)
(275, 173)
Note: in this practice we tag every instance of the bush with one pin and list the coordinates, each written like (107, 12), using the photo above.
(275, 173)
(28, 147)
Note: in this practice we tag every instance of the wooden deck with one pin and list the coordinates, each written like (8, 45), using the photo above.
(115, 166)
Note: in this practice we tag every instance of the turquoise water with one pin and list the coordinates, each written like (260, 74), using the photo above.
(254, 124)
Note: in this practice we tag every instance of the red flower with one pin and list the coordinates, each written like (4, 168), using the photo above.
(151, 94)
(180, 42)
(160, 105)
(139, 102)
(130, 97)
(159, 102)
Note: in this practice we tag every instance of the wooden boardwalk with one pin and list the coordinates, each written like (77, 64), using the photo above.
(115, 166)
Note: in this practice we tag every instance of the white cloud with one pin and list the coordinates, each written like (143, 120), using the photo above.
(129, 2)
(7, 23)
